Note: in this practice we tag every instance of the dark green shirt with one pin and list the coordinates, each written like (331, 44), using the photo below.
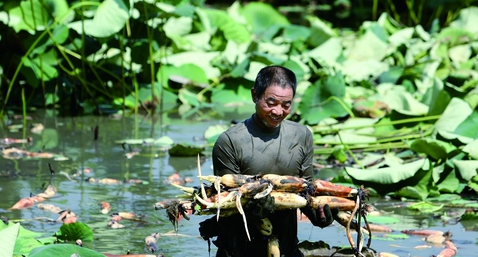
(246, 148)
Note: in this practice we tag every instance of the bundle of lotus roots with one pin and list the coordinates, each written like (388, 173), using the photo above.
(225, 195)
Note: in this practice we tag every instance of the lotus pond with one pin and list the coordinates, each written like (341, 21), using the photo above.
(123, 152)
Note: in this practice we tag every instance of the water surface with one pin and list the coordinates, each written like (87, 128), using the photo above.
(105, 158)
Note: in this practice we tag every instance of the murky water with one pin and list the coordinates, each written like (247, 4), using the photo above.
(73, 138)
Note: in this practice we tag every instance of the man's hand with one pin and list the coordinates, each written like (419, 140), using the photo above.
(209, 228)
(260, 208)
(321, 217)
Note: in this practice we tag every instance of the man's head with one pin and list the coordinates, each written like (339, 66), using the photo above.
(273, 92)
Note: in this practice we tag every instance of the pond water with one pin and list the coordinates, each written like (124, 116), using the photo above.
(105, 158)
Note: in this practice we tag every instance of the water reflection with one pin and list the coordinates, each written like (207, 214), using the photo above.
(105, 158)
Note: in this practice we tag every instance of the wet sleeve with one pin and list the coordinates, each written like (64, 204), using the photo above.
(224, 157)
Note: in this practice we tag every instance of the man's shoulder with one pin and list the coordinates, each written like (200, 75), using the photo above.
(234, 130)
(294, 125)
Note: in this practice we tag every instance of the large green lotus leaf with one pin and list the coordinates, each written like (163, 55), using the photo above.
(273, 49)
(229, 96)
(466, 168)
(400, 100)
(43, 70)
(389, 159)
(437, 172)
(320, 100)
(328, 52)
(453, 138)
(254, 68)
(58, 36)
(200, 59)
(467, 20)
(312, 115)
(392, 75)
(195, 41)
(472, 149)
(432, 148)
(24, 245)
(449, 182)
(420, 186)
(459, 54)
(369, 46)
(268, 58)
(192, 72)
(235, 53)
(320, 31)
(262, 17)
(189, 97)
(347, 138)
(110, 17)
(451, 118)
(426, 207)
(185, 150)
(213, 19)
(436, 98)
(388, 175)
(8, 236)
(468, 128)
(74, 231)
(297, 68)
(353, 124)
(178, 26)
(240, 70)
(416, 51)
(361, 70)
(454, 35)
(401, 37)
(382, 219)
(472, 96)
(63, 250)
(388, 23)
(296, 33)
(31, 15)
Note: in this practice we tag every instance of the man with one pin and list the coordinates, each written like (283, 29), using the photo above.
(265, 143)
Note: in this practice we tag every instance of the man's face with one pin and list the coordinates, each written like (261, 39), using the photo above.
(274, 106)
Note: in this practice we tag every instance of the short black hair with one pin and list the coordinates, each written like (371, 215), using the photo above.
(274, 75)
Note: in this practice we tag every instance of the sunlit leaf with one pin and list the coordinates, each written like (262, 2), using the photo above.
(7, 239)
(451, 119)
(177, 26)
(31, 15)
(388, 175)
(63, 250)
(328, 52)
(426, 207)
(467, 20)
(382, 219)
(200, 59)
(450, 182)
(468, 127)
(74, 231)
(110, 17)
(432, 149)
(369, 46)
(262, 18)
(472, 149)
(320, 31)
(185, 150)
(232, 29)
(466, 168)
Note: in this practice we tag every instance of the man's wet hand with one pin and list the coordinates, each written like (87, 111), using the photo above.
(321, 217)
(260, 208)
